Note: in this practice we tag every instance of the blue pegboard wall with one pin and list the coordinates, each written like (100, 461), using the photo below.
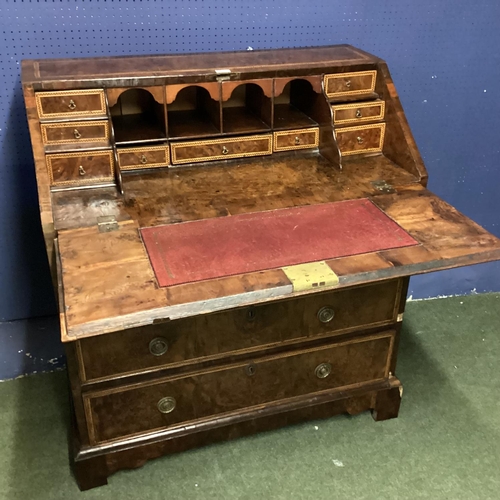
(443, 56)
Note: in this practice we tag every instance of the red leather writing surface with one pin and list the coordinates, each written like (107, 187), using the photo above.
(224, 246)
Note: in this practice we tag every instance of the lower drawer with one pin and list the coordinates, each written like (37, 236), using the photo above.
(221, 149)
(122, 412)
(363, 139)
(82, 168)
(243, 330)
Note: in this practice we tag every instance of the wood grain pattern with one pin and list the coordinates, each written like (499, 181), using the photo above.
(218, 149)
(358, 112)
(71, 169)
(131, 410)
(361, 139)
(350, 84)
(242, 330)
(77, 103)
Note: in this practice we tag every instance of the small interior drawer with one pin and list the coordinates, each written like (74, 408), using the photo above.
(350, 84)
(147, 157)
(358, 112)
(212, 336)
(296, 139)
(221, 149)
(121, 412)
(75, 132)
(70, 104)
(80, 168)
(364, 139)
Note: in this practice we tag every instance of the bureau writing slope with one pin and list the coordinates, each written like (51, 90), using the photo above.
(231, 236)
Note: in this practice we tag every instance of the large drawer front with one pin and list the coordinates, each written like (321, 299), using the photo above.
(213, 336)
(165, 403)
(70, 104)
(221, 149)
(80, 168)
(364, 139)
(350, 84)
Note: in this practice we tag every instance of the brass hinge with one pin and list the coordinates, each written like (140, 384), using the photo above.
(107, 223)
(309, 276)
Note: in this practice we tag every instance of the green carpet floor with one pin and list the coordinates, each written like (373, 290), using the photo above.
(444, 445)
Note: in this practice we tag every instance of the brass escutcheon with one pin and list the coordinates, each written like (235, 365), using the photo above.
(158, 346)
(326, 314)
(225, 151)
(77, 134)
(250, 369)
(71, 104)
(323, 370)
(166, 405)
(144, 159)
(81, 170)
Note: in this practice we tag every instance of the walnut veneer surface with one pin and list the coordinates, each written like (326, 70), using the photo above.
(131, 142)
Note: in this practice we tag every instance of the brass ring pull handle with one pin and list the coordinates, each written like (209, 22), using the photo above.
(81, 170)
(144, 159)
(360, 140)
(77, 134)
(323, 370)
(158, 346)
(348, 84)
(166, 405)
(359, 114)
(225, 151)
(297, 140)
(72, 104)
(326, 314)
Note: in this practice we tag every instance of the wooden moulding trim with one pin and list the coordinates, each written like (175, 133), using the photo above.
(258, 411)
(377, 149)
(314, 80)
(67, 93)
(266, 84)
(114, 93)
(213, 88)
(89, 123)
(60, 293)
(311, 145)
(179, 311)
(359, 105)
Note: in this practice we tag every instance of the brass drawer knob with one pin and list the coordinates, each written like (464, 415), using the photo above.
(72, 104)
(144, 159)
(297, 140)
(77, 134)
(359, 139)
(348, 84)
(166, 405)
(323, 370)
(158, 346)
(326, 314)
(359, 114)
(225, 151)
(81, 170)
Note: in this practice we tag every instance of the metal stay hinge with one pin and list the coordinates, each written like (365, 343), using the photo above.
(383, 186)
(107, 223)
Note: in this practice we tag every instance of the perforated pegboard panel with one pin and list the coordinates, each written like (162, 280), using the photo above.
(443, 56)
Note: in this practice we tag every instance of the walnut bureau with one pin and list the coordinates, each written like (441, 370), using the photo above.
(127, 145)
